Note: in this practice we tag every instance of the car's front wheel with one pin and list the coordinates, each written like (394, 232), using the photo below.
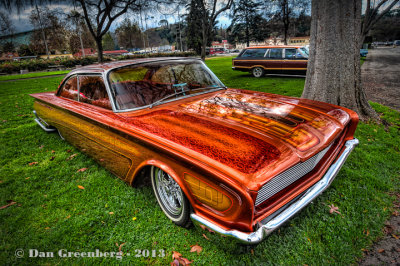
(258, 72)
(170, 197)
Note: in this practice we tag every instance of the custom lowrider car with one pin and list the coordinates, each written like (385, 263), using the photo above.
(261, 60)
(239, 162)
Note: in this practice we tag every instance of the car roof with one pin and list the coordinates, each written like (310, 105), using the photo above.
(103, 67)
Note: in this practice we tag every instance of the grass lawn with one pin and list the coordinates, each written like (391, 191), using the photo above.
(39, 173)
(33, 75)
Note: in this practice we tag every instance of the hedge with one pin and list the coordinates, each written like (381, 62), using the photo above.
(43, 64)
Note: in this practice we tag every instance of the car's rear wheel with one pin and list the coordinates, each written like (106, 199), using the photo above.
(258, 72)
(170, 197)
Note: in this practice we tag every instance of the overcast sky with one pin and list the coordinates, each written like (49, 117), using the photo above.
(21, 20)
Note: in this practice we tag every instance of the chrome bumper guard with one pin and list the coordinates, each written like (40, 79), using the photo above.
(43, 124)
(290, 211)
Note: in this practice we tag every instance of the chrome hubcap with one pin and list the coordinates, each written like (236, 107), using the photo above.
(169, 191)
(257, 72)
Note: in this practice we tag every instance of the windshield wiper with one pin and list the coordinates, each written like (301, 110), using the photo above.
(169, 96)
(212, 87)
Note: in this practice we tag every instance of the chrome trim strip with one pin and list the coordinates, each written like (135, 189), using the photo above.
(270, 226)
(289, 176)
(38, 120)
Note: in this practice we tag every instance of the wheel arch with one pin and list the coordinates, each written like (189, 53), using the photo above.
(142, 175)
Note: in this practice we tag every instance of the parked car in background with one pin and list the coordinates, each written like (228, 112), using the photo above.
(290, 60)
(235, 51)
(215, 51)
(363, 52)
(396, 43)
(238, 162)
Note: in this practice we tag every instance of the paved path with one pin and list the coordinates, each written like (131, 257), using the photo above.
(380, 75)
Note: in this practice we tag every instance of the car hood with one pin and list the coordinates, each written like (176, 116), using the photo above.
(249, 135)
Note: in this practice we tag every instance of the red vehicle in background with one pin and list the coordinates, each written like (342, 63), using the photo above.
(214, 51)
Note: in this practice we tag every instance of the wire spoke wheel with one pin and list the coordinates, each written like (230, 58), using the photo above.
(169, 191)
(170, 197)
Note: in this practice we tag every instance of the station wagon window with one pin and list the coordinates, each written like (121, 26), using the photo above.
(304, 52)
(290, 53)
(254, 52)
(275, 53)
(93, 91)
(70, 89)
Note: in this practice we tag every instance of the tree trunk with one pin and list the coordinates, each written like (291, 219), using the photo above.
(286, 27)
(99, 50)
(204, 43)
(285, 14)
(204, 32)
(247, 36)
(247, 29)
(333, 73)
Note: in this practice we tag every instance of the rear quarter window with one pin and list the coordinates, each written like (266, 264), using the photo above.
(93, 91)
(70, 89)
(254, 53)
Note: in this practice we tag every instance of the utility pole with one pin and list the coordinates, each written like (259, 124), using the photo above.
(43, 34)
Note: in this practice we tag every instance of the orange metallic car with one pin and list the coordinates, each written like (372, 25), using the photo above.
(239, 162)
(276, 60)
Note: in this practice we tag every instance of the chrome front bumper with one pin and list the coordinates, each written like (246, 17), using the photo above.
(276, 222)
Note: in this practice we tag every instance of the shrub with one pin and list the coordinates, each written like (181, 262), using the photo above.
(43, 64)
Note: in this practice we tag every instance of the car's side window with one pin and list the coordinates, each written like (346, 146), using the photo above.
(290, 53)
(300, 54)
(254, 52)
(93, 91)
(275, 53)
(70, 89)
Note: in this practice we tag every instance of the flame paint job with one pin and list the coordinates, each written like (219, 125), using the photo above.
(236, 149)
(234, 140)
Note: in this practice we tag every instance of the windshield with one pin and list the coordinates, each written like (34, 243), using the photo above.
(153, 83)
(304, 50)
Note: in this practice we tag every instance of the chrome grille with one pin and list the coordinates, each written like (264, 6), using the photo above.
(288, 177)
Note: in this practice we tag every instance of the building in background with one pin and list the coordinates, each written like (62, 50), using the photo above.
(86, 52)
(299, 40)
(224, 45)
(266, 42)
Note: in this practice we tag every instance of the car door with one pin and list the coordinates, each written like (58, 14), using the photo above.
(83, 123)
(273, 61)
(250, 58)
(294, 62)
